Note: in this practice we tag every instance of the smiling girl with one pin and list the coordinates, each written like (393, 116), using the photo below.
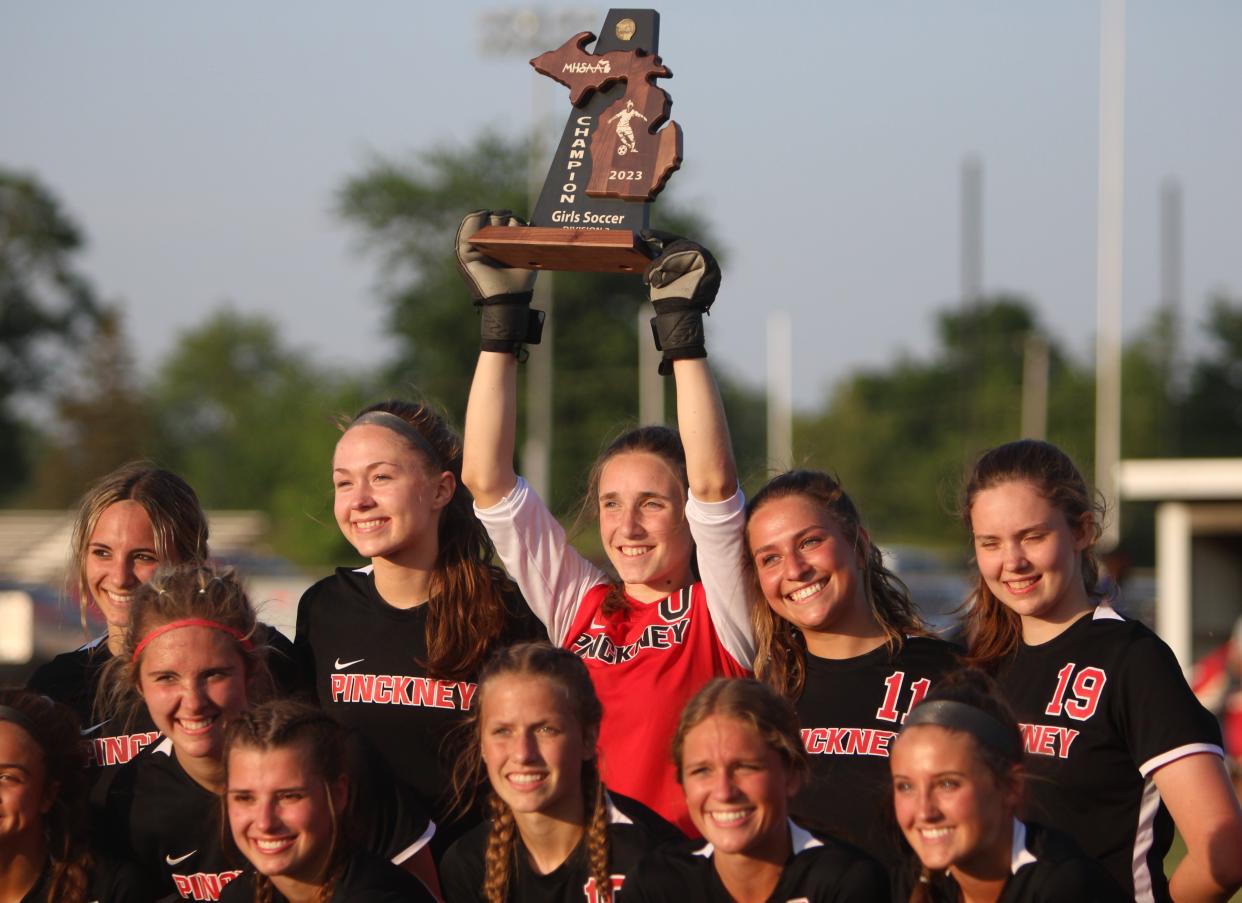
(840, 638)
(191, 660)
(1120, 746)
(286, 797)
(131, 522)
(44, 852)
(957, 784)
(740, 761)
(392, 648)
(654, 635)
(554, 833)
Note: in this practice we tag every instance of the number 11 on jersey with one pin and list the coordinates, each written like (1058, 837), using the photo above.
(892, 695)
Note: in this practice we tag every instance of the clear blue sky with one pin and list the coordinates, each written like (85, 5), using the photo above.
(200, 145)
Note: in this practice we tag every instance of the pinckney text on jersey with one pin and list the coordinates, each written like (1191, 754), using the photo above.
(655, 636)
(402, 689)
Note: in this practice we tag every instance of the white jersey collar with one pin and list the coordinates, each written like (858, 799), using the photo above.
(1019, 855)
(1105, 612)
(799, 838)
(615, 815)
(93, 644)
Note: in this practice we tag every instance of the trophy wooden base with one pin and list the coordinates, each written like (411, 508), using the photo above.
(550, 248)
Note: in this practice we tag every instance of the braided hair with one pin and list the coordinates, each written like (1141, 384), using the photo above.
(568, 674)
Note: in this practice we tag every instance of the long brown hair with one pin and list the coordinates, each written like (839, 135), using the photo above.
(993, 630)
(285, 724)
(565, 671)
(175, 594)
(466, 613)
(665, 443)
(54, 729)
(781, 657)
(177, 518)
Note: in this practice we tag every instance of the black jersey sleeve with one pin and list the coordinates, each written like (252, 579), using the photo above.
(384, 813)
(1081, 879)
(1155, 710)
(239, 890)
(303, 650)
(282, 663)
(861, 881)
(656, 880)
(69, 678)
(461, 867)
(522, 626)
(115, 881)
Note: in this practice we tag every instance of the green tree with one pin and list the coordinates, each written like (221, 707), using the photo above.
(1212, 412)
(102, 420)
(250, 424)
(1150, 414)
(900, 437)
(407, 213)
(46, 306)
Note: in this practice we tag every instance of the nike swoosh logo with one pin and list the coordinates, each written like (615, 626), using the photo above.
(340, 664)
(179, 859)
(90, 730)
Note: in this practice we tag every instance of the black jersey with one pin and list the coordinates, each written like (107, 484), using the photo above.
(633, 831)
(1046, 866)
(170, 826)
(367, 879)
(364, 658)
(73, 679)
(160, 818)
(109, 881)
(819, 870)
(851, 711)
(1103, 706)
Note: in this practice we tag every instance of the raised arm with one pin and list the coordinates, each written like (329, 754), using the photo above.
(491, 426)
(503, 296)
(704, 433)
(683, 281)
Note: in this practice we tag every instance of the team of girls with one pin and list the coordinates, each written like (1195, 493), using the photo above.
(1118, 747)
(670, 519)
(554, 831)
(45, 852)
(838, 635)
(128, 524)
(191, 658)
(392, 649)
(958, 788)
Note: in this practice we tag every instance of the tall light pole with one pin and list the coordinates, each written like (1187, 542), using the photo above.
(1109, 226)
(528, 31)
(971, 264)
(780, 391)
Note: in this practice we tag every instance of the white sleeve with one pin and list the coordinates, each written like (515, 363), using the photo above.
(531, 544)
(718, 529)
